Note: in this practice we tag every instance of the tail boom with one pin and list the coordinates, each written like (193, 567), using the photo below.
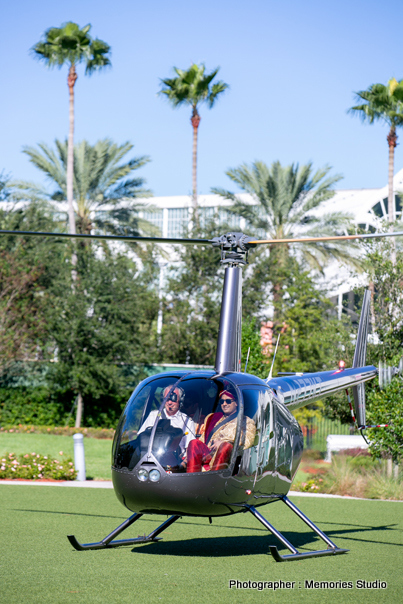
(300, 390)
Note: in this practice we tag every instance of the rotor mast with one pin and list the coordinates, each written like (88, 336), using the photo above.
(234, 253)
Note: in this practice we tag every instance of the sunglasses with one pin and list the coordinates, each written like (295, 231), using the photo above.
(227, 400)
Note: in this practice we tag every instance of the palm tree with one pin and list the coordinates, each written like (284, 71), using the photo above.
(384, 103)
(192, 87)
(72, 45)
(284, 199)
(103, 187)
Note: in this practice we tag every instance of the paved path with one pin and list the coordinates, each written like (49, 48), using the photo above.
(107, 484)
(93, 484)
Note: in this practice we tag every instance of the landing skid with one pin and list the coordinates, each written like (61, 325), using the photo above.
(108, 542)
(295, 554)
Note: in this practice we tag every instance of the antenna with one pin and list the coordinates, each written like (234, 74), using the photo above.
(274, 358)
(247, 359)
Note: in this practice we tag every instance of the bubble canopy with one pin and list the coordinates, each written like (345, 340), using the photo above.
(187, 423)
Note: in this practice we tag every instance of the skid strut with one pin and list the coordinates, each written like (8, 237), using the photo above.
(108, 542)
(295, 554)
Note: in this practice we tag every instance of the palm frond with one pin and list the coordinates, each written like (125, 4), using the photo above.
(384, 103)
(100, 177)
(192, 87)
(284, 197)
(72, 45)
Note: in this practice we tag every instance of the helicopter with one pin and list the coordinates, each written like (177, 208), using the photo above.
(182, 449)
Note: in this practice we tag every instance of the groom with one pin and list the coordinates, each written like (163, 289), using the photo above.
(213, 450)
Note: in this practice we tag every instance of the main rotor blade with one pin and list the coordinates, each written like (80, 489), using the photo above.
(334, 238)
(190, 241)
(170, 240)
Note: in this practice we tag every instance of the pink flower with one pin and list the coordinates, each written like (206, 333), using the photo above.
(60, 452)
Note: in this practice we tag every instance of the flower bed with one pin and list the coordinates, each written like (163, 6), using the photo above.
(358, 476)
(33, 466)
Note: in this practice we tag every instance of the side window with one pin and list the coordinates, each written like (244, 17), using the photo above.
(283, 430)
(257, 406)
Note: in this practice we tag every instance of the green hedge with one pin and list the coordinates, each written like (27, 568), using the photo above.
(41, 406)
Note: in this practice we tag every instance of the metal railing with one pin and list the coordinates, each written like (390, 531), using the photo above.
(316, 431)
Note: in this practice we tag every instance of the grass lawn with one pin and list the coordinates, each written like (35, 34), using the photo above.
(97, 451)
(195, 561)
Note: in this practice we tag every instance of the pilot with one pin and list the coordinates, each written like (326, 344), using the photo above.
(213, 450)
(176, 417)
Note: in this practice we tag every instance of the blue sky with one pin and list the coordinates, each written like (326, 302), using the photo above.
(292, 67)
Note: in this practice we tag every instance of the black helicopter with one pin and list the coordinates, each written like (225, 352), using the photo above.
(214, 443)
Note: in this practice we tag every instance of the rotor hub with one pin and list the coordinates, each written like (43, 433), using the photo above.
(234, 248)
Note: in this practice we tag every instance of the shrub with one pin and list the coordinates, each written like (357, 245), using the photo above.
(384, 487)
(35, 466)
(43, 406)
(313, 485)
(343, 478)
(30, 406)
(385, 407)
(358, 476)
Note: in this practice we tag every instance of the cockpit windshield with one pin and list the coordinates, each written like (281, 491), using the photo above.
(189, 424)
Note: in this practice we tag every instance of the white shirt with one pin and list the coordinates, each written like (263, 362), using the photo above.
(178, 420)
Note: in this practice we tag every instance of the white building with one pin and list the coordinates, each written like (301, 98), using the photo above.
(368, 207)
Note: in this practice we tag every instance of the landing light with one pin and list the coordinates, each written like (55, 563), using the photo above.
(142, 475)
(342, 365)
(154, 475)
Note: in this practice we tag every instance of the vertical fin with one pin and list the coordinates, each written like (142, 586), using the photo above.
(360, 358)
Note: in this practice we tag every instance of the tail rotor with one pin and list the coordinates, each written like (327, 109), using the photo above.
(386, 373)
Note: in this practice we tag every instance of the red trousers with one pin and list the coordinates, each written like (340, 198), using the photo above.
(199, 455)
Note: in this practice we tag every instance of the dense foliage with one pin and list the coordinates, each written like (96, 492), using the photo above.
(384, 266)
(385, 407)
(93, 327)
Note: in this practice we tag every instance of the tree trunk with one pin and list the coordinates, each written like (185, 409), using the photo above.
(389, 466)
(80, 409)
(392, 142)
(71, 80)
(195, 121)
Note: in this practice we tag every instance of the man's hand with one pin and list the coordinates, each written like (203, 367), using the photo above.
(213, 446)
